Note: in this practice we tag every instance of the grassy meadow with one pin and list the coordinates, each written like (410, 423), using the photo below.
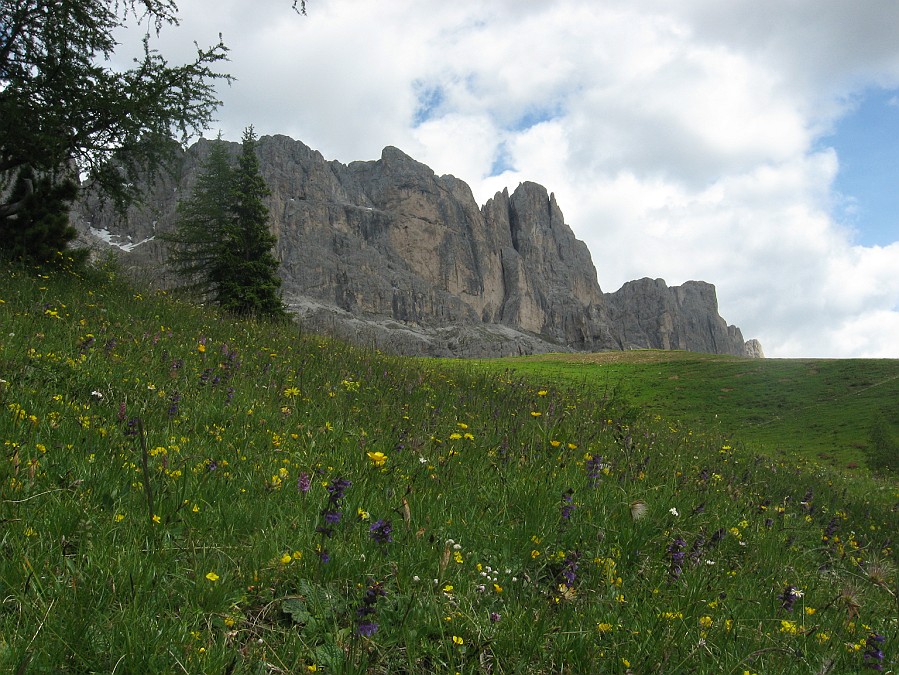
(820, 408)
(183, 492)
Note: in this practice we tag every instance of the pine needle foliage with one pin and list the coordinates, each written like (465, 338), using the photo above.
(222, 245)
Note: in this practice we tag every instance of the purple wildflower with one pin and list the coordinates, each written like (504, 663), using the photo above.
(338, 488)
(122, 412)
(366, 626)
(494, 617)
(174, 400)
(131, 429)
(567, 504)
(331, 517)
(873, 652)
(380, 531)
(304, 483)
(594, 467)
(676, 557)
(569, 569)
(788, 597)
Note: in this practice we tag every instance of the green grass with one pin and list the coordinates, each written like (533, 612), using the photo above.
(821, 408)
(155, 518)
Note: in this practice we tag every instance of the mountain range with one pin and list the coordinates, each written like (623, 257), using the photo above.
(387, 254)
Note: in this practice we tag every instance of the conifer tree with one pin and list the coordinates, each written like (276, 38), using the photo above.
(196, 246)
(249, 279)
(223, 245)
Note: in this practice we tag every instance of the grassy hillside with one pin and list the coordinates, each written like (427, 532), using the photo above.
(822, 408)
(184, 492)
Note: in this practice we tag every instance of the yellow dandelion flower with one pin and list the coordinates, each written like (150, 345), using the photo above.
(604, 627)
(377, 458)
(212, 576)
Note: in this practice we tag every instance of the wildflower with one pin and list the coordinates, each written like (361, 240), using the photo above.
(534, 413)
(366, 627)
(494, 617)
(676, 556)
(156, 519)
(363, 514)
(458, 640)
(873, 654)
(567, 504)
(291, 392)
(377, 458)
(706, 622)
(673, 512)
(604, 627)
(789, 627)
(569, 570)
(304, 483)
(594, 468)
(212, 576)
(331, 514)
(788, 597)
(380, 532)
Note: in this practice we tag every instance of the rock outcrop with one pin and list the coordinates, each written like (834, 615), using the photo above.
(648, 314)
(389, 254)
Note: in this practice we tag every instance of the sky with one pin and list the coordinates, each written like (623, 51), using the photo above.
(753, 144)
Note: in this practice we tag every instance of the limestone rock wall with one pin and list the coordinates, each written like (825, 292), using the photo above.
(410, 255)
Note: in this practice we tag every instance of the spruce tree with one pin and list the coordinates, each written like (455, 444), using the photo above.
(222, 244)
(249, 279)
(197, 244)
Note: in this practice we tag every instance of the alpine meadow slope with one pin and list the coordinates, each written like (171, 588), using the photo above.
(183, 491)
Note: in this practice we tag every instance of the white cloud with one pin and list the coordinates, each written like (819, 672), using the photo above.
(681, 139)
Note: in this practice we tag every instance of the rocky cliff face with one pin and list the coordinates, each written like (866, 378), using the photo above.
(388, 254)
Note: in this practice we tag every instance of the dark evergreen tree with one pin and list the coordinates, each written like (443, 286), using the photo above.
(247, 280)
(39, 230)
(197, 244)
(222, 244)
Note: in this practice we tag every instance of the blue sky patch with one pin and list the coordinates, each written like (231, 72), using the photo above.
(534, 116)
(867, 145)
(430, 98)
(502, 161)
